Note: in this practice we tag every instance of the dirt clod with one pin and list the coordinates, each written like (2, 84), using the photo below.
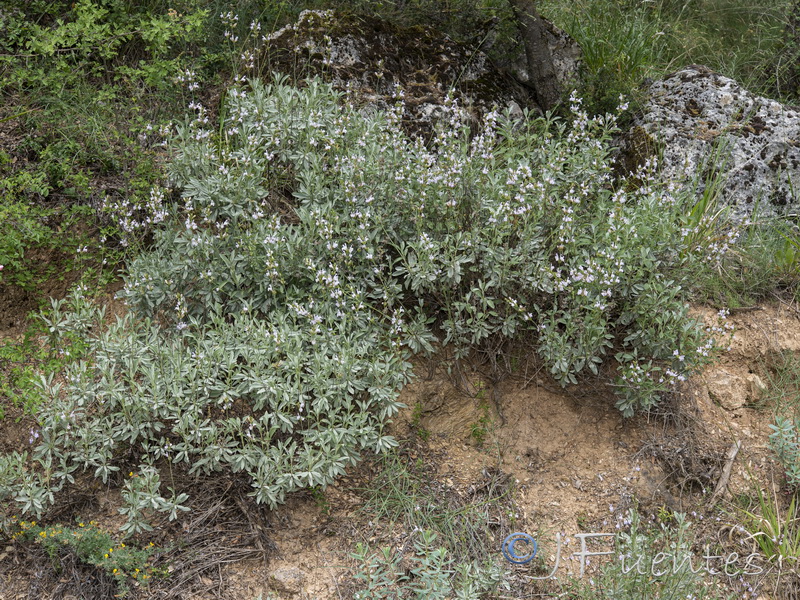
(287, 580)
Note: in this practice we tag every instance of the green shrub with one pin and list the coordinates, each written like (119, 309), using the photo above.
(94, 546)
(270, 323)
(520, 232)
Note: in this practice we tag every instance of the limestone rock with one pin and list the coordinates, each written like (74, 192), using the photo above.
(706, 121)
(755, 387)
(727, 389)
(287, 580)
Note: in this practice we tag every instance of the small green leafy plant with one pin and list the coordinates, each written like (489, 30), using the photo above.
(481, 428)
(92, 545)
(775, 531)
(785, 441)
(426, 573)
(416, 422)
(781, 394)
(40, 353)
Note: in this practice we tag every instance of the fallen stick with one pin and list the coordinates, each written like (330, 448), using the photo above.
(726, 472)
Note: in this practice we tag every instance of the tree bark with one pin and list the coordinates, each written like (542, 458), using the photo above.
(541, 71)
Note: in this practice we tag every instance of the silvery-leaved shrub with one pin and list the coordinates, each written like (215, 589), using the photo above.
(518, 231)
(785, 441)
(315, 248)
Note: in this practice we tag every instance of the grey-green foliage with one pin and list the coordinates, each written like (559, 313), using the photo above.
(519, 232)
(785, 441)
(516, 232)
(427, 573)
(270, 322)
(287, 401)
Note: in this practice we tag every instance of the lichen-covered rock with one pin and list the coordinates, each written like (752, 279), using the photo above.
(375, 60)
(706, 122)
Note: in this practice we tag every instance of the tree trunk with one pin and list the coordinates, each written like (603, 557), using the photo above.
(541, 71)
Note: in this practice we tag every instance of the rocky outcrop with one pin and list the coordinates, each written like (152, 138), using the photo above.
(707, 124)
(378, 62)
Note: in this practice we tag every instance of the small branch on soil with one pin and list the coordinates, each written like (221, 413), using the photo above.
(744, 309)
(496, 400)
(722, 484)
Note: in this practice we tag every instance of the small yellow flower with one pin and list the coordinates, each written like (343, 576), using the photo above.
(80, 524)
(110, 550)
(105, 555)
(121, 545)
(114, 571)
(43, 534)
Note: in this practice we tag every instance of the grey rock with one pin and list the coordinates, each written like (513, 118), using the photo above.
(755, 387)
(706, 122)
